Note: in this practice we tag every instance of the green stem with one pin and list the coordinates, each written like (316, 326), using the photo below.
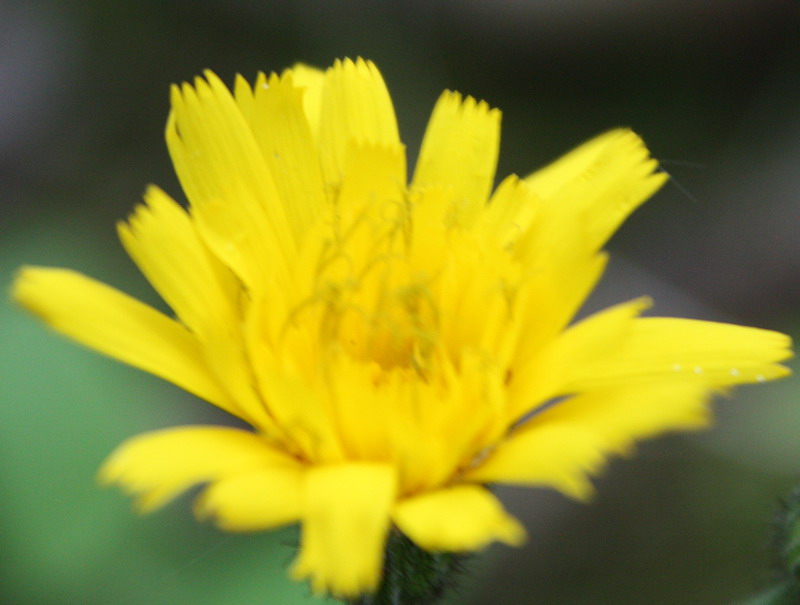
(411, 575)
(786, 590)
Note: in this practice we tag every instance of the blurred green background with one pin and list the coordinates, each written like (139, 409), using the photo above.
(712, 86)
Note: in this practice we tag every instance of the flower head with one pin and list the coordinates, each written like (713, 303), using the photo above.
(394, 345)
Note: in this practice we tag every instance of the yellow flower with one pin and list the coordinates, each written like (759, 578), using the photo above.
(394, 346)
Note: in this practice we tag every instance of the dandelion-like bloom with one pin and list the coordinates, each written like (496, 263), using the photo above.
(394, 345)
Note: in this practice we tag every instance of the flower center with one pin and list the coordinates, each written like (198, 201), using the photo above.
(364, 294)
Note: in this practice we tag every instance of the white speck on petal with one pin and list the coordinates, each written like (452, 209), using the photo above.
(698, 370)
(677, 367)
(734, 371)
(760, 378)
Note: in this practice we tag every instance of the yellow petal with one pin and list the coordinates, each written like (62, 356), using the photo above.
(162, 240)
(311, 80)
(257, 500)
(355, 108)
(119, 326)
(583, 198)
(552, 371)
(570, 440)
(373, 181)
(283, 134)
(212, 145)
(159, 465)
(243, 93)
(365, 429)
(589, 192)
(548, 181)
(460, 149)
(218, 161)
(226, 355)
(457, 519)
(510, 212)
(617, 417)
(345, 523)
(310, 425)
(550, 299)
(234, 236)
(716, 354)
(553, 456)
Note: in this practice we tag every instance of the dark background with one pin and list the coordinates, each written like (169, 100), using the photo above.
(712, 86)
